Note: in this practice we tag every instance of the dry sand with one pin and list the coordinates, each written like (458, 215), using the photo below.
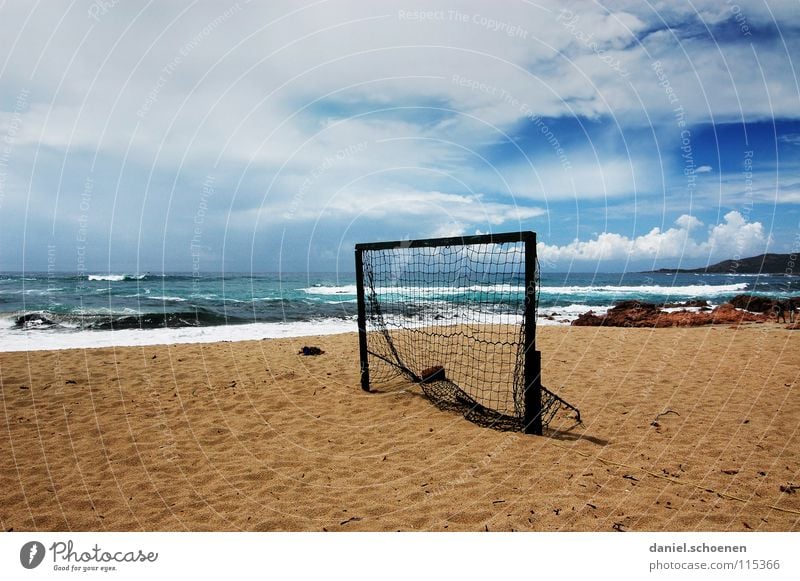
(684, 429)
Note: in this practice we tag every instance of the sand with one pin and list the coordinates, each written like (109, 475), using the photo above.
(684, 430)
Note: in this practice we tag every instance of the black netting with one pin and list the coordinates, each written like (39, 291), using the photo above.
(452, 318)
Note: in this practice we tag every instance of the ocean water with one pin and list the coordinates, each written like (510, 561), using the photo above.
(59, 311)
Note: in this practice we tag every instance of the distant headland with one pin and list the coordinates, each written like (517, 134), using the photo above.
(762, 264)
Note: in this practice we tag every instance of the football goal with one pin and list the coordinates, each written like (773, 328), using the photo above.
(457, 316)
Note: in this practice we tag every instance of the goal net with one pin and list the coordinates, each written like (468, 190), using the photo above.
(457, 316)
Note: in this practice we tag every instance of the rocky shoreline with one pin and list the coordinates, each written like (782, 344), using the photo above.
(740, 309)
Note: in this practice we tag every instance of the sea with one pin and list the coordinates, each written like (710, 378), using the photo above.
(63, 311)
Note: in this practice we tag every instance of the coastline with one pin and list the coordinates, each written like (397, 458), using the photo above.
(624, 314)
(684, 429)
(62, 311)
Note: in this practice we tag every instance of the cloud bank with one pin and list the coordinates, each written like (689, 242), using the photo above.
(733, 238)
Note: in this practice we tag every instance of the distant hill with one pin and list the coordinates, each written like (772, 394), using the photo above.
(763, 264)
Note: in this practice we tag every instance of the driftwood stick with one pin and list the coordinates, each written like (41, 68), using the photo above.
(665, 413)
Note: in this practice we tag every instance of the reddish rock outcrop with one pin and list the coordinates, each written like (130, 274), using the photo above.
(759, 304)
(637, 314)
(588, 319)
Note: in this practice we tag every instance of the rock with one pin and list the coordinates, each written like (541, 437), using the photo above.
(306, 350)
(758, 304)
(588, 319)
(32, 321)
(632, 314)
(433, 373)
(638, 314)
(752, 303)
(727, 313)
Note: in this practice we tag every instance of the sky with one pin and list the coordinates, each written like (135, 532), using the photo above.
(227, 136)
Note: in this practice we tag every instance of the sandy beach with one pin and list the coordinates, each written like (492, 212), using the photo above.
(683, 430)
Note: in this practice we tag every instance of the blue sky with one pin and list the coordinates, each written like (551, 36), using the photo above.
(141, 136)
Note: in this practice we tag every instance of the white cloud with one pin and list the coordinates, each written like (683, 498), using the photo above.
(792, 138)
(703, 169)
(687, 222)
(437, 207)
(766, 185)
(449, 229)
(734, 237)
(585, 178)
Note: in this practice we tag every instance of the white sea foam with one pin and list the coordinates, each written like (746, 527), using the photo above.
(8, 320)
(166, 299)
(40, 292)
(687, 290)
(415, 290)
(550, 316)
(40, 340)
(349, 289)
(665, 290)
(91, 311)
(116, 277)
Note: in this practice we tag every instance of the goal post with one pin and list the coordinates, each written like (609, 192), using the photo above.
(456, 315)
(532, 419)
